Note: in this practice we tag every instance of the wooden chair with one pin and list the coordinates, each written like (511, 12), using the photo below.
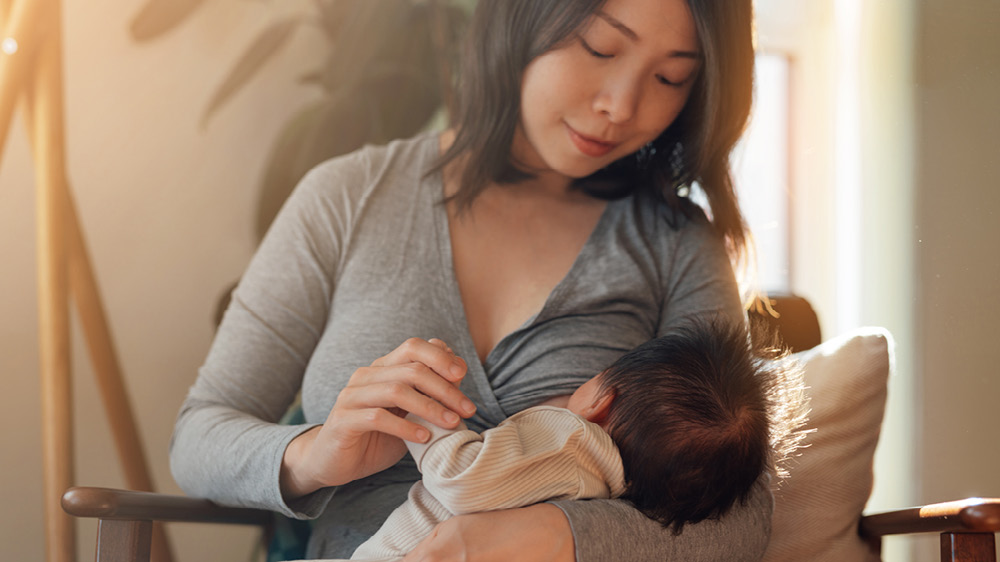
(967, 527)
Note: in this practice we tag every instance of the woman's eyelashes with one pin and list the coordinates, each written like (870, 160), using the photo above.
(603, 55)
(666, 82)
(594, 52)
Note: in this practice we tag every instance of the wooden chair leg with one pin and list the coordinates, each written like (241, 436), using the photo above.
(124, 540)
(968, 547)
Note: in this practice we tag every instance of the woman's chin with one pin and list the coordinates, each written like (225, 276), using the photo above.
(581, 169)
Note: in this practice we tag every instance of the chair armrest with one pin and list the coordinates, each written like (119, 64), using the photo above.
(972, 515)
(106, 503)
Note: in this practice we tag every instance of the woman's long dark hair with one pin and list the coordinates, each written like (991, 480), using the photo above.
(506, 35)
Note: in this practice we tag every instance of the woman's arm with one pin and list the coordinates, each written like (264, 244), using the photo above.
(614, 530)
(227, 445)
(538, 533)
(598, 531)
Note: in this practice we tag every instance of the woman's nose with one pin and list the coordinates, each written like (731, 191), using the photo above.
(618, 100)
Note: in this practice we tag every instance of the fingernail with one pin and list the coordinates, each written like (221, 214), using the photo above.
(423, 435)
(450, 417)
(457, 369)
(468, 407)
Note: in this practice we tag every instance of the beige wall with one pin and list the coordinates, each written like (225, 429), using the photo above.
(957, 231)
(928, 261)
(168, 210)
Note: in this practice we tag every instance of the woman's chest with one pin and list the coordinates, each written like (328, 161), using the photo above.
(610, 304)
(507, 262)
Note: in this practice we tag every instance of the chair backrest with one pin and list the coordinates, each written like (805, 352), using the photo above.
(794, 319)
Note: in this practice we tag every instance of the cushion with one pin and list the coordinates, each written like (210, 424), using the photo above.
(817, 507)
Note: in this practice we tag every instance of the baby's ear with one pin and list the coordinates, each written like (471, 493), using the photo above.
(598, 410)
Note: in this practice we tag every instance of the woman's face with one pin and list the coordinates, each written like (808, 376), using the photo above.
(608, 90)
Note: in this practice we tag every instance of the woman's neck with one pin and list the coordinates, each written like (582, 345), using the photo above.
(544, 185)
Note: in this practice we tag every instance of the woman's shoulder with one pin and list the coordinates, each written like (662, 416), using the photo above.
(662, 240)
(345, 185)
(411, 156)
(333, 196)
(661, 223)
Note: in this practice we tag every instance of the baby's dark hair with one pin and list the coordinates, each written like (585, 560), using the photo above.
(695, 416)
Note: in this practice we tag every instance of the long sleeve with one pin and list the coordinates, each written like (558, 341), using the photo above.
(359, 260)
(227, 445)
(539, 454)
(740, 535)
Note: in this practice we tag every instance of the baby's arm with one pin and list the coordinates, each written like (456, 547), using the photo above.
(536, 455)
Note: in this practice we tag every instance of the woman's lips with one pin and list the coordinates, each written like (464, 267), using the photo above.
(590, 146)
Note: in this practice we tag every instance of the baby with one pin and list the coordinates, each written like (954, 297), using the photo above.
(681, 426)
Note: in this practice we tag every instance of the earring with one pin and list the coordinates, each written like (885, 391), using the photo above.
(645, 155)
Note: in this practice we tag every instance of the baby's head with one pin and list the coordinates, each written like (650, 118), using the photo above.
(690, 414)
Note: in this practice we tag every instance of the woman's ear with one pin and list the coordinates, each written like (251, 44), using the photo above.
(598, 410)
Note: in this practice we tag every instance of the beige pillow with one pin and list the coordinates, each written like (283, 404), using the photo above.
(817, 507)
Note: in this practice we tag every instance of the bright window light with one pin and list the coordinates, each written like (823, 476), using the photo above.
(761, 170)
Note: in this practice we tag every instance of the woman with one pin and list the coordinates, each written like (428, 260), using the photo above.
(541, 237)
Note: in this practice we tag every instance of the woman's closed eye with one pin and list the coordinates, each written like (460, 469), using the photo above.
(602, 55)
(667, 82)
(594, 52)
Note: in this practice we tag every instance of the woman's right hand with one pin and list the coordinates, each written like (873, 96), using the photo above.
(365, 430)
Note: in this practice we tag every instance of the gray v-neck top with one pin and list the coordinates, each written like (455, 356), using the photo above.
(358, 260)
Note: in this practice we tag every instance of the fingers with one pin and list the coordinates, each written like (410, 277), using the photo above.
(435, 354)
(462, 363)
(441, 344)
(359, 422)
(412, 388)
(420, 377)
(363, 430)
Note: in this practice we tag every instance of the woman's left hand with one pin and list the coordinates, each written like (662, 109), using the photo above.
(538, 533)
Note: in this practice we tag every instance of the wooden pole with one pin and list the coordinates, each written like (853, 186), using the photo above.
(64, 265)
(53, 303)
(23, 29)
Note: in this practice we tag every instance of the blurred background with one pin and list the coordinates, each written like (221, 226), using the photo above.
(870, 174)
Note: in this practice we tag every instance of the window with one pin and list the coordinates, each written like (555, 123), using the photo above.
(761, 172)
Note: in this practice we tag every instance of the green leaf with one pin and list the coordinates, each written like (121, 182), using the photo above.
(402, 99)
(159, 16)
(383, 79)
(368, 24)
(333, 126)
(267, 44)
(332, 14)
(280, 175)
(313, 78)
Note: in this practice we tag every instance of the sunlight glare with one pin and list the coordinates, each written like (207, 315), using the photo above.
(9, 46)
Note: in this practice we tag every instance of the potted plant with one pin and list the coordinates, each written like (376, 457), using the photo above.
(386, 75)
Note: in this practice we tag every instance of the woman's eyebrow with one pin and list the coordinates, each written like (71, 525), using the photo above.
(632, 36)
(626, 30)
